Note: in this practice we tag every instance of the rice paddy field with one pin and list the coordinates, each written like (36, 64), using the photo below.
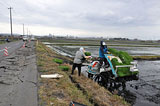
(145, 91)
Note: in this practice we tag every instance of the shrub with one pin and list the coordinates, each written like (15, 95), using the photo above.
(59, 61)
(87, 53)
(64, 68)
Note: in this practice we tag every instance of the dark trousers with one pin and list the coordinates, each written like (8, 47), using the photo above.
(105, 62)
(74, 67)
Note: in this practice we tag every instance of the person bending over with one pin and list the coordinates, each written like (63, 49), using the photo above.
(79, 58)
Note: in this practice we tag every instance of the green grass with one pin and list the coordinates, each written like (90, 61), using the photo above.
(59, 61)
(64, 68)
(2, 42)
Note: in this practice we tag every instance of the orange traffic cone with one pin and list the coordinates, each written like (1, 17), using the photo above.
(5, 51)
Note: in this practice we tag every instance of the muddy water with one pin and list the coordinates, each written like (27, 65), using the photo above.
(145, 91)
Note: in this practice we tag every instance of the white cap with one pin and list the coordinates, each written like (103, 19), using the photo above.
(81, 49)
(103, 43)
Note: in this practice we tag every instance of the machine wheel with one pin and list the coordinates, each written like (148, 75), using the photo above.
(99, 79)
(90, 75)
(102, 79)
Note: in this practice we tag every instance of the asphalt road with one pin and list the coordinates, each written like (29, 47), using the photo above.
(12, 47)
(18, 75)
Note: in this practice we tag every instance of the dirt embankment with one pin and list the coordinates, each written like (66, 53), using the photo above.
(146, 57)
(60, 92)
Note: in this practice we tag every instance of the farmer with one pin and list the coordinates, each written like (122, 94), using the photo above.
(103, 50)
(79, 58)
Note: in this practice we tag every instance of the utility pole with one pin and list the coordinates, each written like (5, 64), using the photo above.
(27, 31)
(11, 19)
(23, 29)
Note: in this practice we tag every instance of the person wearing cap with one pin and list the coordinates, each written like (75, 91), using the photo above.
(79, 58)
(103, 50)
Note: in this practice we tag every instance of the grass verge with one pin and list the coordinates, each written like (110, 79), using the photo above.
(59, 92)
(2, 42)
(56, 92)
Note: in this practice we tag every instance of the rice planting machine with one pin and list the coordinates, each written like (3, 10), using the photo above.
(121, 69)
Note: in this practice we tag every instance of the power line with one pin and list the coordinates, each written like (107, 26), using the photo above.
(4, 4)
(2, 9)
(27, 31)
(14, 12)
(7, 4)
(23, 29)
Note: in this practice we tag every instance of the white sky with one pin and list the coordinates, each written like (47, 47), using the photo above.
(107, 18)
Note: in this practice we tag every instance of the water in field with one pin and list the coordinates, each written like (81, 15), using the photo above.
(131, 50)
(145, 91)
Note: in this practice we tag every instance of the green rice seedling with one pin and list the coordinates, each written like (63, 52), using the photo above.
(113, 51)
(125, 57)
(126, 60)
(87, 53)
(59, 61)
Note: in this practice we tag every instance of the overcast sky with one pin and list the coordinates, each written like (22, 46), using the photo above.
(107, 18)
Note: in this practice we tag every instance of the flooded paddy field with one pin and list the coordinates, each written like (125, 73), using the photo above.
(134, 51)
(143, 92)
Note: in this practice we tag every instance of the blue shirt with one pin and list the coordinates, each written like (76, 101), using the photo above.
(102, 51)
